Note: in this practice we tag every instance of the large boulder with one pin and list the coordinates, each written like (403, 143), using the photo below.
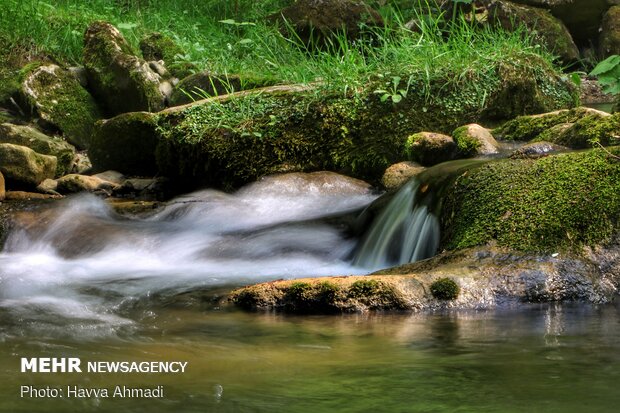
(399, 174)
(549, 31)
(21, 166)
(585, 132)
(126, 143)
(316, 22)
(28, 136)
(118, 78)
(609, 43)
(61, 103)
(73, 183)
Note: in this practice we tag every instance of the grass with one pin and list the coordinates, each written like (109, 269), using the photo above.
(55, 28)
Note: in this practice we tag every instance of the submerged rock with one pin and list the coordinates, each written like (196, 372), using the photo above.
(60, 101)
(537, 150)
(118, 78)
(22, 166)
(27, 136)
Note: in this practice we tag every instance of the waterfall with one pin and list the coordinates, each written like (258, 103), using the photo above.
(405, 231)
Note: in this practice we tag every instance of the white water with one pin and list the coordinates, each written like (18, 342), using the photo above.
(405, 231)
(84, 261)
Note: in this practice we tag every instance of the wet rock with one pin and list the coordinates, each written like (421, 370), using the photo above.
(74, 183)
(549, 31)
(430, 148)
(315, 22)
(48, 186)
(609, 43)
(144, 189)
(27, 136)
(132, 207)
(60, 101)
(126, 143)
(536, 150)
(119, 79)
(323, 182)
(27, 196)
(399, 174)
(473, 140)
(81, 164)
(115, 177)
(206, 84)
(486, 278)
(22, 166)
(2, 187)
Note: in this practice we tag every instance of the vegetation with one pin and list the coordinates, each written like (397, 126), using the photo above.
(445, 289)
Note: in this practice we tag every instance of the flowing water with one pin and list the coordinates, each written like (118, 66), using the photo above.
(81, 281)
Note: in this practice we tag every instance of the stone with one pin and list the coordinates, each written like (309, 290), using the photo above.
(126, 143)
(27, 196)
(115, 177)
(206, 84)
(24, 135)
(21, 166)
(81, 164)
(399, 174)
(118, 78)
(609, 43)
(82, 183)
(48, 186)
(315, 22)
(547, 29)
(536, 150)
(53, 94)
(430, 148)
(474, 139)
(585, 132)
(2, 187)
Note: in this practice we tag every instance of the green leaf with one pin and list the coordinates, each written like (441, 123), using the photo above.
(229, 21)
(606, 65)
(127, 26)
(575, 78)
(245, 41)
(385, 97)
(396, 98)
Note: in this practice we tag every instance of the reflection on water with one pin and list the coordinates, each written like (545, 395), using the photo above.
(542, 358)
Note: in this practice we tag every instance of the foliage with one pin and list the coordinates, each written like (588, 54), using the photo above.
(445, 289)
(608, 74)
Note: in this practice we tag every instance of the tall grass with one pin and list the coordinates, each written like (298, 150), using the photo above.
(56, 28)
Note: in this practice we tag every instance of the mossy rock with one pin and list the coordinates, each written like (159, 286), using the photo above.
(430, 148)
(547, 29)
(41, 143)
(473, 139)
(120, 80)
(557, 203)
(586, 132)
(59, 100)
(126, 143)
(609, 42)
(23, 167)
(527, 128)
(158, 46)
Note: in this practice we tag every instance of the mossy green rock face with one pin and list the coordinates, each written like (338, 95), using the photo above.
(41, 143)
(526, 128)
(126, 143)
(609, 43)
(586, 132)
(158, 46)
(121, 81)
(21, 166)
(60, 101)
(430, 148)
(560, 202)
(550, 31)
(205, 84)
(474, 140)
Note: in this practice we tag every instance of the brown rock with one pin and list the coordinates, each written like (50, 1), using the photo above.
(399, 174)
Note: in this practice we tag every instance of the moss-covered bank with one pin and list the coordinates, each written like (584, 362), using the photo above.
(557, 203)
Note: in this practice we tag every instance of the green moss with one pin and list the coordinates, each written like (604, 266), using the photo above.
(375, 295)
(303, 297)
(445, 289)
(560, 202)
(466, 144)
(585, 132)
(158, 46)
(527, 128)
